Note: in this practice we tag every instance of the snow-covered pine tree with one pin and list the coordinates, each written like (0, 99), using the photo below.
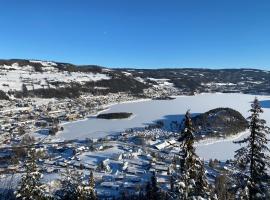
(87, 190)
(148, 191)
(92, 186)
(69, 185)
(74, 186)
(252, 159)
(30, 187)
(192, 182)
(152, 190)
(154, 187)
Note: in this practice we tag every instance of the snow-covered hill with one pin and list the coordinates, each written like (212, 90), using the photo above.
(13, 76)
(54, 79)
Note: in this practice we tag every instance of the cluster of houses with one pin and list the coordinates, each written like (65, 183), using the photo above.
(126, 167)
(120, 163)
(23, 117)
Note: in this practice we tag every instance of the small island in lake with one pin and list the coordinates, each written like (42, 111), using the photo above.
(163, 98)
(118, 115)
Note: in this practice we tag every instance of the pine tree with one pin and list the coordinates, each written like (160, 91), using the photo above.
(92, 186)
(88, 190)
(152, 190)
(192, 182)
(222, 187)
(252, 159)
(24, 90)
(74, 187)
(172, 183)
(30, 187)
(154, 187)
(148, 190)
(70, 185)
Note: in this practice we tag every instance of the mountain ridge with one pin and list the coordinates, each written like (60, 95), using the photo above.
(130, 68)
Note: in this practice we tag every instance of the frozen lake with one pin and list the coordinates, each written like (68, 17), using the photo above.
(146, 112)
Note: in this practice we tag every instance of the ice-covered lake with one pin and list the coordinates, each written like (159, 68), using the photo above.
(146, 112)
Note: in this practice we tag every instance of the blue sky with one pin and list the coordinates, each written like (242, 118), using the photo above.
(138, 33)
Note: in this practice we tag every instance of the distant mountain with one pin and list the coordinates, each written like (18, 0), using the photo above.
(54, 79)
(219, 122)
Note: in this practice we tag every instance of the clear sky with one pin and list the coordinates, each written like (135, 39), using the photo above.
(138, 33)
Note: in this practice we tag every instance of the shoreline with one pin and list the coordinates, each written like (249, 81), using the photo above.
(211, 141)
(107, 107)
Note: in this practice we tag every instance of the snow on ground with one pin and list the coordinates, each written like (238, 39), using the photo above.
(43, 101)
(222, 150)
(158, 79)
(146, 112)
(12, 77)
(161, 81)
(44, 63)
(219, 84)
(127, 73)
(139, 79)
(94, 158)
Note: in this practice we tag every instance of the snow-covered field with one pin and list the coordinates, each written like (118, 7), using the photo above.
(146, 112)
(12, 77)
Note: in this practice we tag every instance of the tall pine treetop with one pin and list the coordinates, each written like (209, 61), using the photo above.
(252, 159)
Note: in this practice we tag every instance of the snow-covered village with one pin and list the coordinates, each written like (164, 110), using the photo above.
(81, 143)
(134, 100)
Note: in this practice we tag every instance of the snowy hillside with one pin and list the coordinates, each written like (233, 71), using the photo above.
(13, 76)
(48, 79)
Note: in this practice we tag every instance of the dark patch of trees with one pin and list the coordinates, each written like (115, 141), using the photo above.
(24, 90)
(120, 83)
(3, 95)
(219, 122)
(66, 92)
(190, 80)
(120, 115)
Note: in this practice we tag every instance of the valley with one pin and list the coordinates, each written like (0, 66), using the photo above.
(88, 123)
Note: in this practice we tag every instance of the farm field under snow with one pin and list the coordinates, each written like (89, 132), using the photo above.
(12, 77)
(146, 112)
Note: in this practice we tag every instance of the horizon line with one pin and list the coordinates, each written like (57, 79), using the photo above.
(148, 67)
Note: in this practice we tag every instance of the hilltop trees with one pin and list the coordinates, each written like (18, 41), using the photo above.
(73, 184)
(69, 185)
(87, 190)
(30, 186)
(191, 182)
(252, 159)
(74, 187)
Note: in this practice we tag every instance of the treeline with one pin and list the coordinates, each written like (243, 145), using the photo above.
(219, 122)
(74, 90)
(190, 80)
(3, 95)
